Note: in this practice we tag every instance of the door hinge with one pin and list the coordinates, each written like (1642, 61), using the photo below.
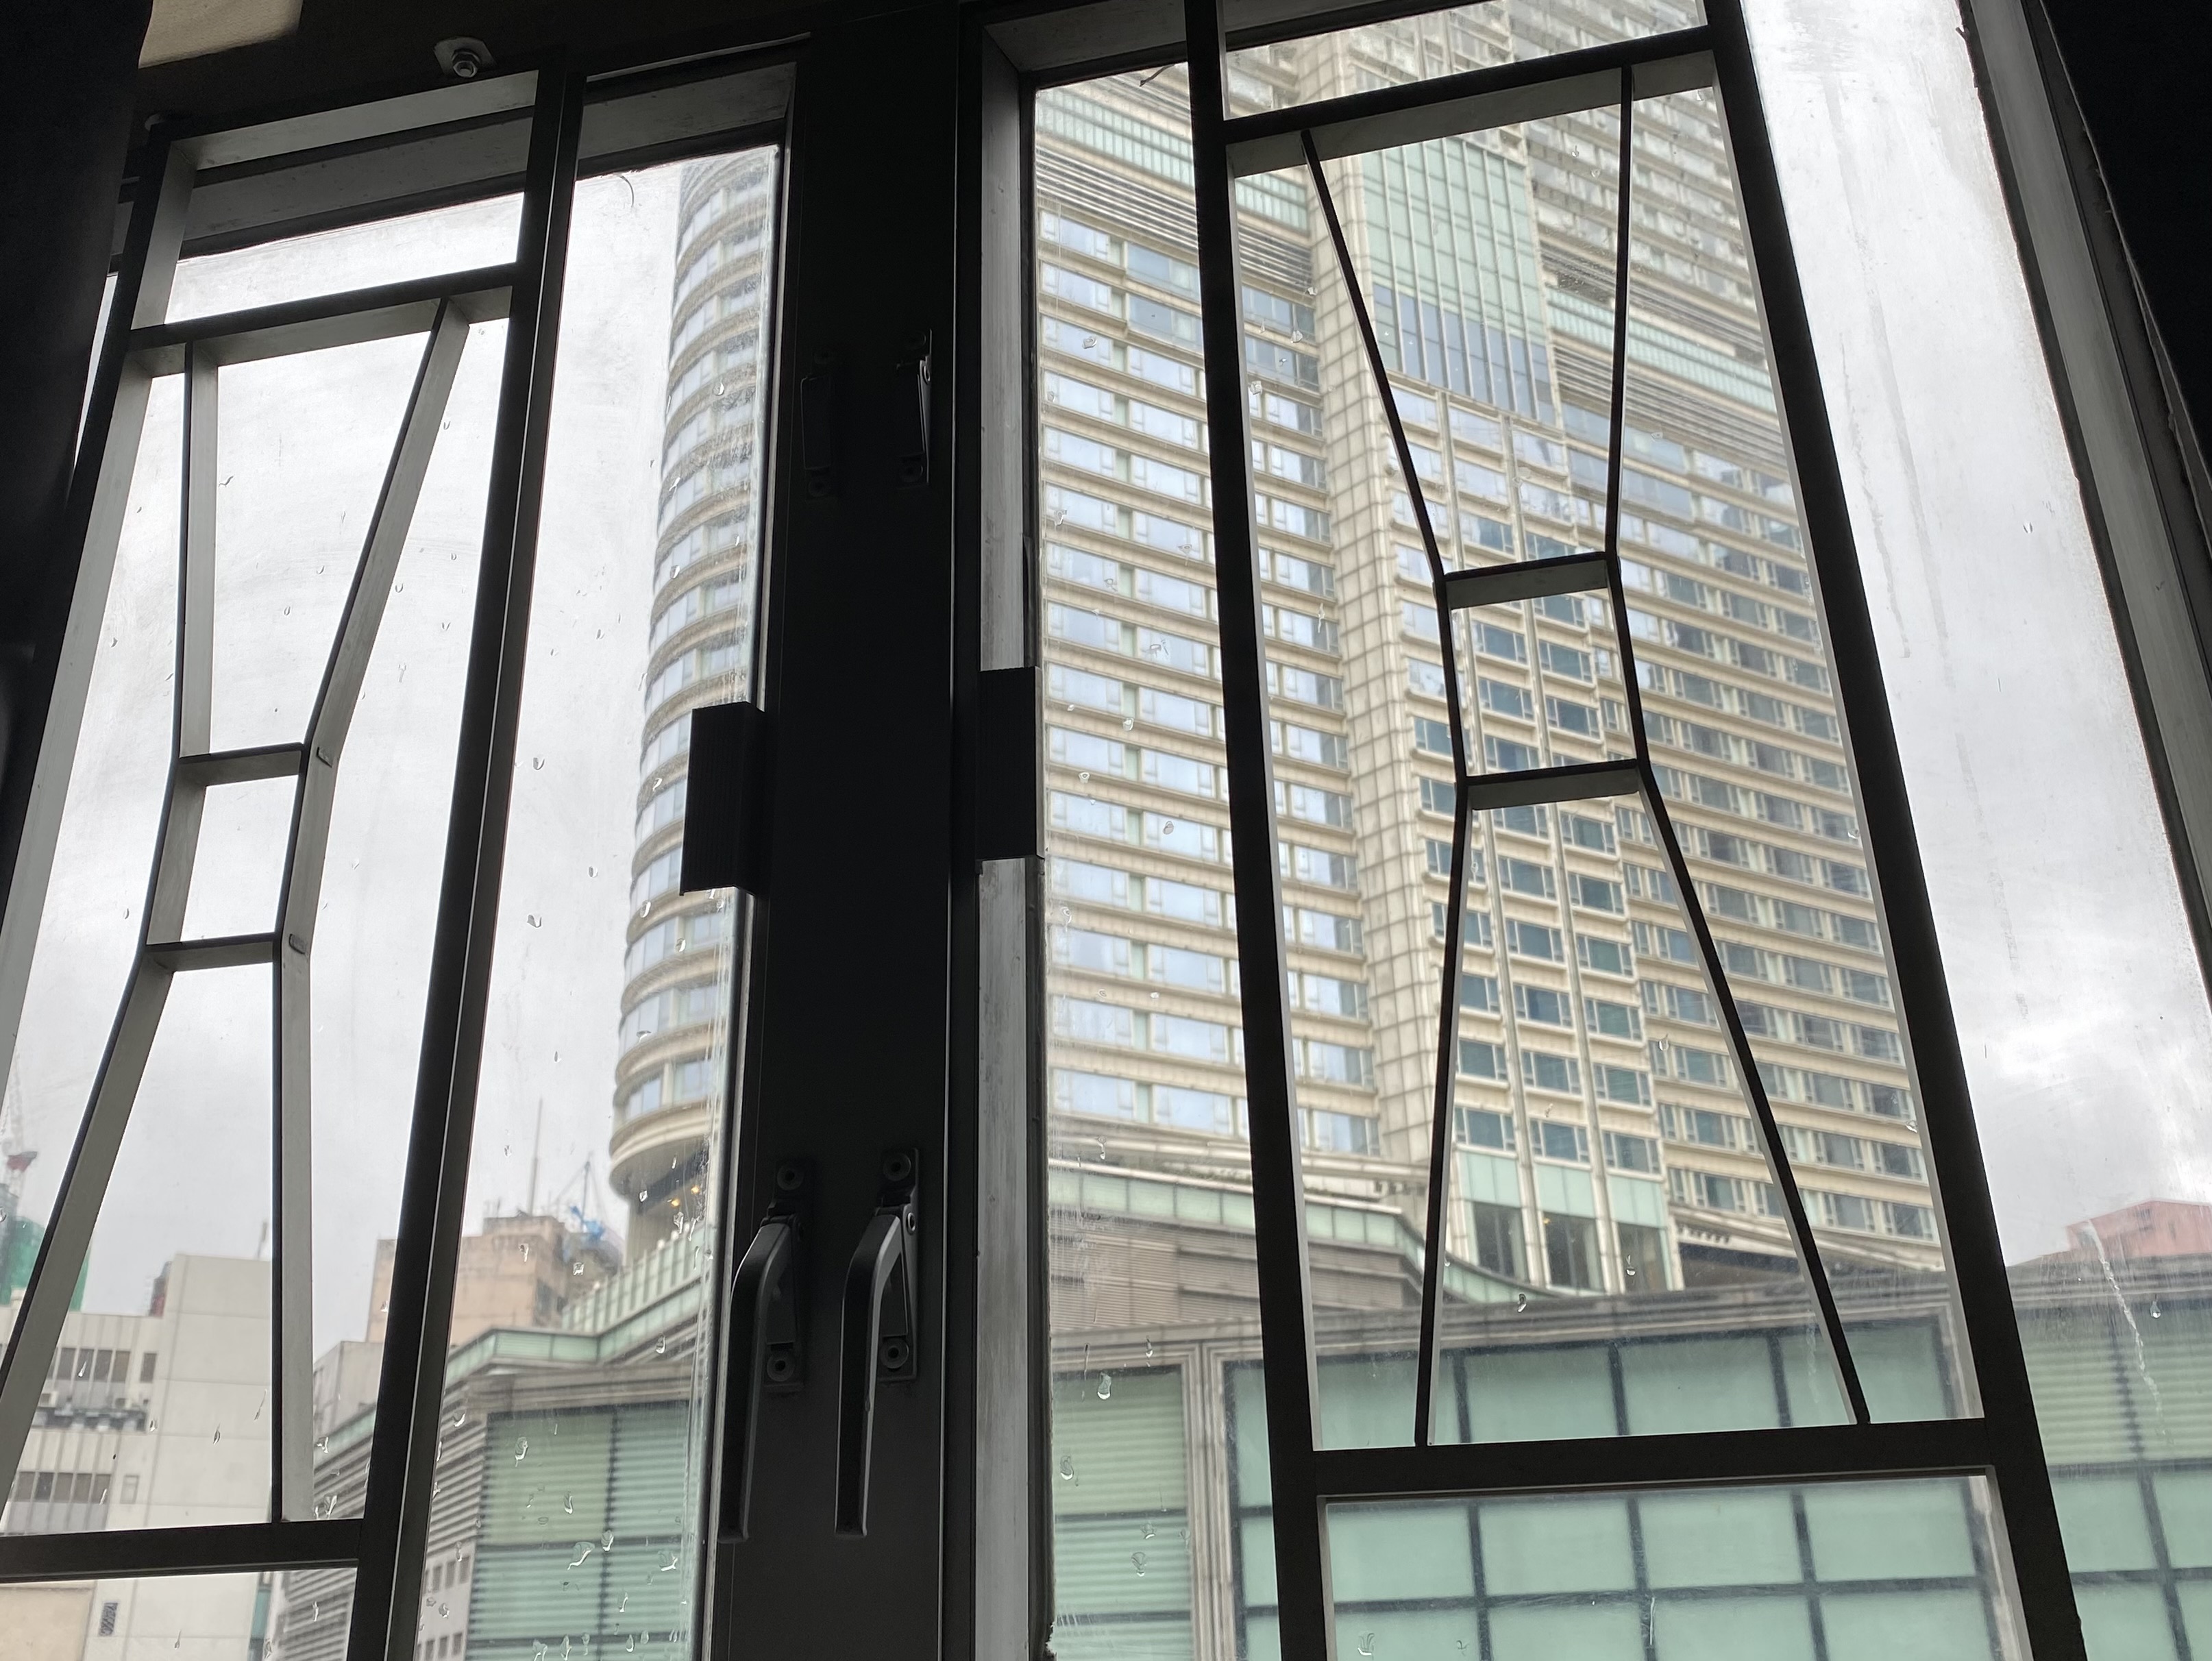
(1009, 785)
(725, 810)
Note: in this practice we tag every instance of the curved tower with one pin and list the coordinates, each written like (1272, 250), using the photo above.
(667, 1081)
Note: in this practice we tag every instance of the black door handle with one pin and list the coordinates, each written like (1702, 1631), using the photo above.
(764, 1348)
(881, 1285)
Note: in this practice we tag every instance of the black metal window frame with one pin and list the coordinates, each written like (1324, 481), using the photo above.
(2000, 1442)
(533, 130)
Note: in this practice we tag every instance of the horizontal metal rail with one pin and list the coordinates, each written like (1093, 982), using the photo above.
(1530, 90)
(217, 1549)
(1531, 787)
(1535, 579)
(1802, 1453)
(218, 952)
(316, 323)
(267, 761)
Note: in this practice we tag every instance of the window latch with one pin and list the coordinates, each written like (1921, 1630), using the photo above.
(726, 817)
(911, 413)
(880, 1327)
(766, 1356)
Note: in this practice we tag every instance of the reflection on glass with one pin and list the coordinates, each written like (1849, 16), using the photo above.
(1858, 1570)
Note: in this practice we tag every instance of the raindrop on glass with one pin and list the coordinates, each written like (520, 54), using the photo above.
(1067, 1467)
(607, 1541)
(522, 1446)
(1137, 1561)
(583, 1552)
(568, 1504)
(1105, 1386)
(537, 763)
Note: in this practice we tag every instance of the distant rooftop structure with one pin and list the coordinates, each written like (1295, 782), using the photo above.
(2150, 1228)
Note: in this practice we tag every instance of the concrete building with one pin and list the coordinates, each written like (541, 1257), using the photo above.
(154, 1420)
(518, 1270)
(1605, 1141)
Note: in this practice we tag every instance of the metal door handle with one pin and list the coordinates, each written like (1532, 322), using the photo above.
(880, 1328)
(764, 1348)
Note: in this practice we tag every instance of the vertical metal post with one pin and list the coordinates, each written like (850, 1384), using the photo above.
(410, 1395)
(2029, 1510)
(1278, 1182)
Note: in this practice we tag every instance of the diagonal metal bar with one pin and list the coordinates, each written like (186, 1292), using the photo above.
(410, 1391)
(292, 1330)
(1777, 1156)
(1301, 1525)
(1440, 1123)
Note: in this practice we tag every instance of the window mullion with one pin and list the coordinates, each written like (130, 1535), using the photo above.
(395, 1519)
(1278, 1185)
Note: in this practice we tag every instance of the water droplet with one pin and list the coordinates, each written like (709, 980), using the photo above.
(1129, 723)
(1148, 1350)
(218, 1432)
(1167, 827)
(2156, 1314)
(460, 1418)
(1105, 1386)
(1137, 1561)
(575, 1269)
(445, 1612)
(1367, 1643)
(429, 1602)
(522, 1446)
(1149, 1529)
(315, 1610)
(607, 1541)
(1520, 1302)
(591, 870)
(583, 1552)
(1067, 1467)
(536, 922)
(1085, 777)
(568, 1504)
(661, 1347)
(537, 763)
(673, 1558)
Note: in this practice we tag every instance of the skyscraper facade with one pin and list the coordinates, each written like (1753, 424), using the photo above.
(667, 1084)
(1605, 1141)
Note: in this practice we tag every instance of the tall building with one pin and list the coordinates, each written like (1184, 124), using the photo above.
(667, 1086)
(1605, 1143)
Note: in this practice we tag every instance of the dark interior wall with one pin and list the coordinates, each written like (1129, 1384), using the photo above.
(2138, 70)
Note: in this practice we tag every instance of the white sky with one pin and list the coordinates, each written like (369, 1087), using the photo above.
(303, 446)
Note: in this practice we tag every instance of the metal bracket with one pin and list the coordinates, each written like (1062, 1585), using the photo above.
(1009, 785)
(881, 1328)
(725, 817)
(767, 1353)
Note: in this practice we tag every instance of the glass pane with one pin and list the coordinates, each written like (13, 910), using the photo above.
(1153, 1275)
(2080, 1002)
(573, 1440)
(461, 237)
(1845, 1570)
(1439, 43)
(202, 1617)
(168, 1338)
